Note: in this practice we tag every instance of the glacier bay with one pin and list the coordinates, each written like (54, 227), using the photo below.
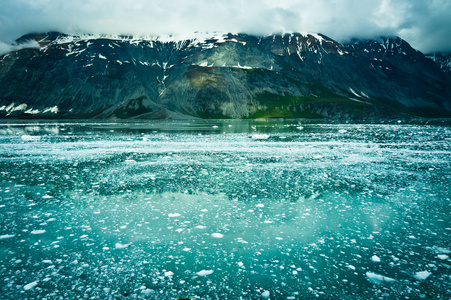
(225, 209)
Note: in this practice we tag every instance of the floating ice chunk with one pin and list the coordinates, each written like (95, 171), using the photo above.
(378, 279)
(441, 250)
(39, 231)
(443, 256)
(375, 258)
(122, 246)
(351, 267)
(174, 215)
(168, 274)
(147, 292)
(260, 205)
(300, 127)
(422, 275)
(265, 294)
(205, 272)
(217, 235)
(27, 137)
(201, 227)
(7, 236)
(260, 136)
(30, 285)
(47, 261)
(240, 240)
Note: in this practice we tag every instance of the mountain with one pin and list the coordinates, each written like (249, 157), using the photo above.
(443, 59)
(220, 76)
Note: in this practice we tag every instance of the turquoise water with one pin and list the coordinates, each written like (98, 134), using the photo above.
(224, 210)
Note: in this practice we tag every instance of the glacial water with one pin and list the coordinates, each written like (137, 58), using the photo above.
(225, 210)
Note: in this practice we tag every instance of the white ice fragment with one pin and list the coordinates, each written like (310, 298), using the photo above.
(38, 231)
(30, 285)
(201, 227)
(265, 294)
(240, 263)
(351, 267)
(260, 136)
(375, 258)
(240, 240)
(101, 56)
(443, 256)
(121, 246)
(47, 261)
(378, 279)
(422, 275)
(186, 249)
(300, 127)
(205, 272)
(168, 274)
(7, 236)
(27, 137)
(174, 215)
(442, 250)
(217, 235)
(147, 292)
(260, 205)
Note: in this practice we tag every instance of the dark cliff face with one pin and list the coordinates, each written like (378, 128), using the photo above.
(443, 60)
(225, 76)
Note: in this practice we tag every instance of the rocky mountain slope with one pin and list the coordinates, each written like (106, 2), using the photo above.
(443, 59)
(220, 76)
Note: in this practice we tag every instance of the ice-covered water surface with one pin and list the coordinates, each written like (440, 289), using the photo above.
(224, 210)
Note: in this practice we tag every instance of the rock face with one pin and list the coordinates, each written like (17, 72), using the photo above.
(443, 59)
(220, 76)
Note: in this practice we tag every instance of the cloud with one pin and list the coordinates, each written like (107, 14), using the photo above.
(5, 48)
(425, 24)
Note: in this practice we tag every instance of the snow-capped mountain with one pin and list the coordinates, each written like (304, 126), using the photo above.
(219, 76)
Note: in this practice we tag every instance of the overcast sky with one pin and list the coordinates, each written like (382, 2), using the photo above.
(425, 24)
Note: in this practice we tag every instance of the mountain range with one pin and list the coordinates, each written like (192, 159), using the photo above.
(221, 76)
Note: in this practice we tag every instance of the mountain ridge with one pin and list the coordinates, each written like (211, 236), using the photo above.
(219, 76)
